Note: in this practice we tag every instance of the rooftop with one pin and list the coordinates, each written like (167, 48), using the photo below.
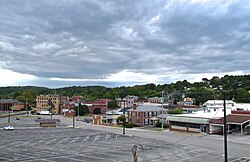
(145, 108)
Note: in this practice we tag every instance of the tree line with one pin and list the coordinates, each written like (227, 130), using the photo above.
(199, 90)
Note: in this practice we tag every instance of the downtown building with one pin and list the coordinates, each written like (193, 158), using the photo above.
(42, 103)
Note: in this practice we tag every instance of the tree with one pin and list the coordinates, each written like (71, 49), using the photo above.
(243, 95)
(112, 104)
(176, 111)
(83, 110)
(121, 118)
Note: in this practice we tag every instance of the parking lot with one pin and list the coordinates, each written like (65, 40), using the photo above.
(29, 142)
(69, 144)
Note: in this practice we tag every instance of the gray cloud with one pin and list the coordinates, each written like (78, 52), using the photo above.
(94, 39)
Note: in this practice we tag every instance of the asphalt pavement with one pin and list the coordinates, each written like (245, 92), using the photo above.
(87, 142)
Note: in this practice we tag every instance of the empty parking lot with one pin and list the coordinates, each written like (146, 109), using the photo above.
(68, 144)
(28, 142)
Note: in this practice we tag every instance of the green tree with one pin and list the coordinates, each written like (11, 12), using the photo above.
(243, 95)
(121, 118)
(176, 111)
(112, 104)
(83, 110)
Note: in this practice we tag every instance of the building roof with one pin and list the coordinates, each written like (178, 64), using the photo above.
(146, 108)
(237, 119)
(188, 119)
(115, 112)
(10, 101)
(206, 113)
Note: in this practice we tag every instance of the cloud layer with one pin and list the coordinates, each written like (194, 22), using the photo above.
(68, 42)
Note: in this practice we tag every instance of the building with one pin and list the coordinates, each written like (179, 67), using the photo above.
(144, 114)
(76, 99)
(128, 101)
(42, 103)
(237, 122)
(109, 118)
(186, 102)
(64, 99)
(67, 107)
(98, 106)
(158, 100)
(243, 106)
(7, 104)
(196, 121)
(216, 104)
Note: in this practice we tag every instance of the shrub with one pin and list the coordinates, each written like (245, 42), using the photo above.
(176, 111)
(158, 124)
(129, 125)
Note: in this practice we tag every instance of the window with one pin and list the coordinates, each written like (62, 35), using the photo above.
(146, 115)
(137, 114)
(150, 114)
(191, 125)
(138, 121)
(146, 121)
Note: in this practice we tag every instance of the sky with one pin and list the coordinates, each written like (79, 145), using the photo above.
(60, 43)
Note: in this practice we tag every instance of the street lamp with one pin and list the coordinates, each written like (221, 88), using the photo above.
(26, 107)
(74, 119)
(50, 103)
(162, 110)
(124, 118)
(78, 108)
(225, 114)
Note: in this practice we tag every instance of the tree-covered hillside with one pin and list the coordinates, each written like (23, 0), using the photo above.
(198, 90)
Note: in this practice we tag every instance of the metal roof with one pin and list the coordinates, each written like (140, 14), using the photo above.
(147, 108)
(188, 119)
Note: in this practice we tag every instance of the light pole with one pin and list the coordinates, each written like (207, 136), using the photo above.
(78, 109)
(26, 106)
(9, 116)
(50, 103)
(74, 119)
(225, 114)
(124, 118)
(162, 110)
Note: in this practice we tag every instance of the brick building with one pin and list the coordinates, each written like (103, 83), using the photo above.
(6, 104)
(143, 115)
(99, 106)
(42, 103)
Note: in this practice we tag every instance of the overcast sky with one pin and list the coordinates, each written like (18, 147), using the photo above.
(57, 43)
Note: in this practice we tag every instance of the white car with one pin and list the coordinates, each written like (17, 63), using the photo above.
(8, 128)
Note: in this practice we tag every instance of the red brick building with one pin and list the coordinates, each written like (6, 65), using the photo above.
(143, 115)
(99, 106)
(6, 104)
(76, 98)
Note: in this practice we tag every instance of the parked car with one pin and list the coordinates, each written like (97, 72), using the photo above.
(8, 128)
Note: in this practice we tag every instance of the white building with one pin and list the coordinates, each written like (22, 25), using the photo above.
(216, 104)
(243, 106)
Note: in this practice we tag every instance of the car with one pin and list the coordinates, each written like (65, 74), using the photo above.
(8, 128)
